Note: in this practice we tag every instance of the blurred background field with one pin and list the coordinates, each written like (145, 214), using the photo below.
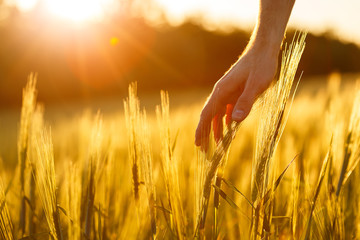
(91, 51)
(189, 101)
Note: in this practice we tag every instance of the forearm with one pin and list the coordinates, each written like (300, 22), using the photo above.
(271, 24)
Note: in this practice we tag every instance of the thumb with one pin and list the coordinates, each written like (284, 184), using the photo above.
(244, 104)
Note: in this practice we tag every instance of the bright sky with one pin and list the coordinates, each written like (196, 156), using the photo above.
(340, 16)
(74, 10)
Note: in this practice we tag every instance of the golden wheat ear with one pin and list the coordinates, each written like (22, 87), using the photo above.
(272, 124)
(73, 200)
(352, 145)
(44, 175)
(94, 169)
(27, 111)
(216, 161)
(274, 117)
(170, 171)
(140, 152)
(132, 112)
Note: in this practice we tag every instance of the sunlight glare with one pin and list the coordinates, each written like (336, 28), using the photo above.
(25, 5)
(78, 10)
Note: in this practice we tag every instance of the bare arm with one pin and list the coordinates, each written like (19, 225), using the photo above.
(235, 93)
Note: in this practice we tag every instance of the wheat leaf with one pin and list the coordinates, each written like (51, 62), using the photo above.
(232, 186)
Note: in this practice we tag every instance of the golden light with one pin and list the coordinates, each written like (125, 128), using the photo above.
(78, 10)
(25, 5)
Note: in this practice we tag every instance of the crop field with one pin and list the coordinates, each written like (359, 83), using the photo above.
(289, 171)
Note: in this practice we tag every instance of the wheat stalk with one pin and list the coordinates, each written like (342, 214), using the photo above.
(94, 170)
(27, 110)
(132, 112)
(216, 160)
(270, 129)
(73, 200)
(6, 227)
(170, 169)
(273, 119)
(44, 174)
(140, 152)
(352, 145)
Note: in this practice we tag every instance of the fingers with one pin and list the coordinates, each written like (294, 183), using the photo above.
(218, 127)
(229, 110)
(212, 108)
(203, 128)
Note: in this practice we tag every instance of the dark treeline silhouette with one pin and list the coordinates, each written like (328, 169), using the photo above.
(77, 62)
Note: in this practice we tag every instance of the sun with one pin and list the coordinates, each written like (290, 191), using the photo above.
(78, 10)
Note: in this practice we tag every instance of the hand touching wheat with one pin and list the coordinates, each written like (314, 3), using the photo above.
(234, 94)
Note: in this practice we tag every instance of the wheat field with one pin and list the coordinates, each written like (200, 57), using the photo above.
(289, 171)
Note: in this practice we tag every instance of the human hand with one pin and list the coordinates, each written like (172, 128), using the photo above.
(235, 93)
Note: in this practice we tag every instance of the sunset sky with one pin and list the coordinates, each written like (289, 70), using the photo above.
(341, 17)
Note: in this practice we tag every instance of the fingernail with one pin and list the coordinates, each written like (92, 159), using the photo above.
(238, 115)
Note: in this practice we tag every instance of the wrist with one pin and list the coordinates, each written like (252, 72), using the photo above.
(265, 46)
(267, 39)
